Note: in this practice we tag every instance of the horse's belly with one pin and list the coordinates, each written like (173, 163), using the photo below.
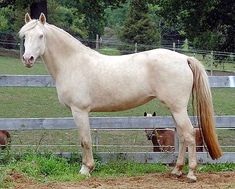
(112, 105)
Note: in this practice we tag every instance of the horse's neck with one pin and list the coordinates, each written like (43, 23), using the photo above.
(60, 50)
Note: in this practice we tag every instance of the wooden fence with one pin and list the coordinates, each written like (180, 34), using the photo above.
(124, 123)
(46, 81)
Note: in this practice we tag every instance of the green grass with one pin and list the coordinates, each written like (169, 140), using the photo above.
(14, 66)
(49, 168)
(219, 167)
(43, 102)
(109, 51)
(30, 102)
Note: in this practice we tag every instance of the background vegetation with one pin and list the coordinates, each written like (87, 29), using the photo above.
(208, 25)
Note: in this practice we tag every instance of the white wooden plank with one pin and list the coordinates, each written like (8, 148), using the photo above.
(47, 81)
(103, 123)
(26, 81)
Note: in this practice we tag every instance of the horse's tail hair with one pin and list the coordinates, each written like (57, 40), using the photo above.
(204, 108)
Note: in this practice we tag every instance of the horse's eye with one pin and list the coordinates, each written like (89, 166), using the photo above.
(41, 36)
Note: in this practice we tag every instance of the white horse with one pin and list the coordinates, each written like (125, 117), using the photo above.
(89, 81)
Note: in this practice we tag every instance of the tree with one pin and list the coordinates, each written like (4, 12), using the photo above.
(138, 27)
(67, 17)
(38, 7)
(208, 24)
(93, 12)
(115, 17)
(20, 7)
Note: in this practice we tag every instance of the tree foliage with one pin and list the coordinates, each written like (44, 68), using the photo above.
(138, 27)
(115, 17)
(94, 12)
(67, 18)
(208, 24)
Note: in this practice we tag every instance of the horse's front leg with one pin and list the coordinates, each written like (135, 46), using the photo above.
(81, 119)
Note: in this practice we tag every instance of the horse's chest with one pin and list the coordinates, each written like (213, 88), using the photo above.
(73, 96)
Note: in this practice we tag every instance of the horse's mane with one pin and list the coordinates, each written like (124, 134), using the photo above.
(53, 27)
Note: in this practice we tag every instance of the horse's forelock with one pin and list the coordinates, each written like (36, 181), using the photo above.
(30, 25)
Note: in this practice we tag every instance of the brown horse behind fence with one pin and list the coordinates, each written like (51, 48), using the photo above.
(164, 139)
(5, 139)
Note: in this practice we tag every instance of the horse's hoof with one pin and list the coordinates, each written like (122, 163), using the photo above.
(85, 171)
(191, 178)
(177, 173)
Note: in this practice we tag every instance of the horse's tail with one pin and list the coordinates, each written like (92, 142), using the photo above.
(204, 107)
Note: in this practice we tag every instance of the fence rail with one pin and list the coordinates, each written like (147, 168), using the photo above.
(122, 123)
(104, 123)
(47, 81)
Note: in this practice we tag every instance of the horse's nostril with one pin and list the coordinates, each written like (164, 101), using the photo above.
(31, 58)
(23, 58)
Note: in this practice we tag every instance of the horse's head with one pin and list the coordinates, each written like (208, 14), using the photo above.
(33, 36)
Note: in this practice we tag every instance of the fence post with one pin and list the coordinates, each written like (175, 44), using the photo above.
(97, 42)
(135, 47)
(173, 46)
(211, 63)
(176, 142)
(96, 139)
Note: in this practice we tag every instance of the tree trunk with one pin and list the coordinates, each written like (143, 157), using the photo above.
(38, 7)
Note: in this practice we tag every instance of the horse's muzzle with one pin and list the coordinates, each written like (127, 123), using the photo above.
(28, 61)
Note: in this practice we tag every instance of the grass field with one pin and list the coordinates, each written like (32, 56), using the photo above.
(14, 66)
(43, 102)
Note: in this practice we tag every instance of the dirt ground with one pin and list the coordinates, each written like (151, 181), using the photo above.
(148, 181)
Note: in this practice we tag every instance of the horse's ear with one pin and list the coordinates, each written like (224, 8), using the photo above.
(42, 18)
(27, 18)
(154, 114)
(145, 114)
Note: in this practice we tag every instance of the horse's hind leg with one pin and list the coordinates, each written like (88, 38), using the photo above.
(187, 138)
(181, 157)
(82, 121)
